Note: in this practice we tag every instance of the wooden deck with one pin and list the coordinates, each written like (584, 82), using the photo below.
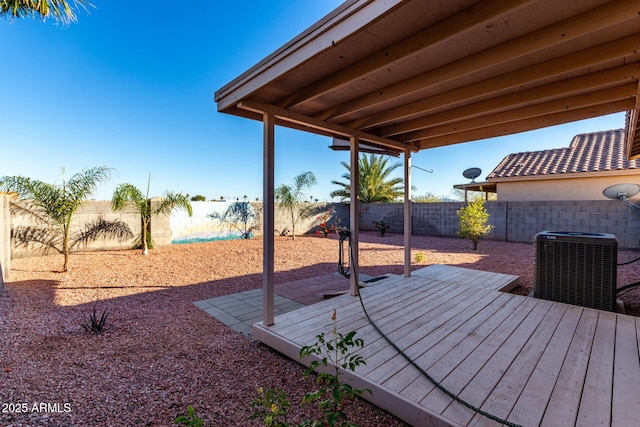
(530, 361)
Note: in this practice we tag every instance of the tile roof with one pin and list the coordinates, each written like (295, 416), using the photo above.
(588, 152)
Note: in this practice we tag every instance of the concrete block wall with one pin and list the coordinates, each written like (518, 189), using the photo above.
(92, 211)
(512, 221)
(525, 219)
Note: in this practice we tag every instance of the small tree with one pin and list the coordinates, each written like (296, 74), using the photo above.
(54, 205)
(240, 216)
(198, 198)
(473, 222)
(292, 196)
(129, 195)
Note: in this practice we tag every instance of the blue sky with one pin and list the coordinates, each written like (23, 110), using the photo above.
(131, 84)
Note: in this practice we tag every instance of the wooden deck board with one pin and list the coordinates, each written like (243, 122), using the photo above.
(487, 377)
(467, 276)
(532, 362)
(505, 394)
(626, 372)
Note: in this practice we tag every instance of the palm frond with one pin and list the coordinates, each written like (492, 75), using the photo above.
(128, 194)
(171, 201)
(82, 184)
(60, 10)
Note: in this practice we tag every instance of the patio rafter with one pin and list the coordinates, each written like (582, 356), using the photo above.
(582, 84)
(476, 15)
(545, 38)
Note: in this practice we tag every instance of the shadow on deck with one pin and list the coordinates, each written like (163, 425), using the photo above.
(530, 361)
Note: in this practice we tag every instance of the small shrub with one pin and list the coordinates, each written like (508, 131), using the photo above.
(420, 257)
(323, 222)
(190, 419)
(93, 323)
(381, 226)
(285, 231)
(272, 406)
(473, 222)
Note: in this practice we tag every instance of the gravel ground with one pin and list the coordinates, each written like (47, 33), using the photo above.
(161, 353)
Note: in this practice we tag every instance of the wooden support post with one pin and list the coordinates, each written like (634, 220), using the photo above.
(407, 213)
(268, 295)
(354, 214)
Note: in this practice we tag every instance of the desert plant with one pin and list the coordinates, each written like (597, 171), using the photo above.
(381, 226)
(54, 205)
(473, 221)
(93, 322)
(420, 257)
(272, 407)
(129, 195)
(240, 216)
(190, 419)
(291, 198)
(283, 232)
(332, 354)
(323, 222)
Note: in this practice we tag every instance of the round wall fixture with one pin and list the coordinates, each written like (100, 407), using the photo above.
(621, 191)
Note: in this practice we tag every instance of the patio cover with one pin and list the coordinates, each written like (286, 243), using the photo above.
(415, 74)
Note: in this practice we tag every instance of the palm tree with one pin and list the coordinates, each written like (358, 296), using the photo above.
(129, 195)
(56, 204)
(60, 10)
(375, 184)
(290, 197)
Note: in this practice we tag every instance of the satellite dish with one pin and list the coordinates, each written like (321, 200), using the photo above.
(472, 173)
(621, 191)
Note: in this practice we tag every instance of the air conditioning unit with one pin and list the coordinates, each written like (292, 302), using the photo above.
(577, 268)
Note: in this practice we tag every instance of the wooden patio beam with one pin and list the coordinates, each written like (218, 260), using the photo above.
(584, 100)
(613, 13)
(528, 124)
(576, 61)
(335, 130)
(474, 16)
(268, 260)
(582, 84)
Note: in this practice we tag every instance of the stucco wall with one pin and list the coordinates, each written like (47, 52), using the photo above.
(589, 188)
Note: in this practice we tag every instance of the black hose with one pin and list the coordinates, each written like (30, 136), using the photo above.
(412, 362)
(627, 287)
(342, 269)
(629, 262)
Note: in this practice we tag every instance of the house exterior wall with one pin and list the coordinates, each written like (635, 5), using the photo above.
(588, 188)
